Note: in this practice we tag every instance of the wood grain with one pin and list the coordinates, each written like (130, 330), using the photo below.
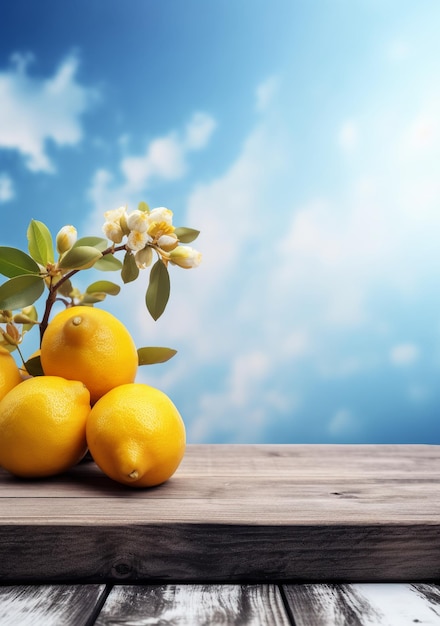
(232, 514)
(49, 605)
(364, 604)
(194, 605)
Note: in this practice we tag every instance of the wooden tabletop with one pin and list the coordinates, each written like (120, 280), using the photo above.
(233, 513)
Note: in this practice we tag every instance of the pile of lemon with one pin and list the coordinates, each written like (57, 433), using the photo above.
(87, 400)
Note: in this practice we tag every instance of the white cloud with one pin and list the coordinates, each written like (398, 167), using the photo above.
(198, 131)
(164, 158)
(7, 190)
(36, 110)
(286, 283)
(404, 354)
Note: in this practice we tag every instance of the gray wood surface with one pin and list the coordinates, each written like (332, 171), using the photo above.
(359, 604)
(195, 605)
(234, 513)
(364, 604)
(49, 605)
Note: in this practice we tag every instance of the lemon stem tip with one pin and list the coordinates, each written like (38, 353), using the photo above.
(134, 475)
(76, 321)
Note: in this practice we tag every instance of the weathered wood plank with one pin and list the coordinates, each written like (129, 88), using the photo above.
(49, 605)
(321, 513)
(246, 484)
(207, 553)
(194, 605)
(364, 604)
(299, 464)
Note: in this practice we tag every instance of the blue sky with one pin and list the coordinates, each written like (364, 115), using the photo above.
(303, 140)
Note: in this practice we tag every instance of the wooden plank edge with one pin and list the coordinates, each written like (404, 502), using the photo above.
(218, 552)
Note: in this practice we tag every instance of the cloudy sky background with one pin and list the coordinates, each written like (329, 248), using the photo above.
(303, 140)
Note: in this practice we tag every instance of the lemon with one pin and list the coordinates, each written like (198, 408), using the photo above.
(9, 372)
(43, 426)
(91, 345)
(136, 435)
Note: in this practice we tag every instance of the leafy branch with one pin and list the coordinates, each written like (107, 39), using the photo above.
(138, 235)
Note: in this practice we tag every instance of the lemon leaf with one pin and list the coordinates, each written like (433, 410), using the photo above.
(40, 243)
(14, 262)
(93, 298)
(33, 366)
(158, 290)
(186, 235)
(108, 263)
(31, 313)
(130, 270)
(66, 288)
(79, 258)
(20, 291)
(104, 286)
(95, 242)
(150, 356)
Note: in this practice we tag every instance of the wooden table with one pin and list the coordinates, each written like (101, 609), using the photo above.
(272, 534)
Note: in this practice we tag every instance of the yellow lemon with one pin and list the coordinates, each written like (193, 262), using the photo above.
(9, 372)
(91, 345)
(136, 435)
(43, 426)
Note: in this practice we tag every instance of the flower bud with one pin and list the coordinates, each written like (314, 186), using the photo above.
(168, 242)
(113, 231)
(66, 238)
(185, 257)
(144, 257)
(21, 318)
(5, 316)
(115, 215)
(138, 220)
(11, 336)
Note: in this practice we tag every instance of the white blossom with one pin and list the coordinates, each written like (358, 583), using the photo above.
(138, 240)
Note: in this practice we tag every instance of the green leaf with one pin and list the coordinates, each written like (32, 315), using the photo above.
(93, 298)
(20, 291)
(40, 243)
(65, 289)
(186, 235)
(79, 258)
(14, 262)
(108, 263)
(130, 270)
(158, 290)
(104, 286)
(34, 367)
(31, 312)
(143, 206)
(95, 242)
(150, 356)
